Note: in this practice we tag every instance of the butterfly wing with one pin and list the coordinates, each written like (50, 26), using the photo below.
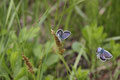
(65, 35)
(59, 34)
(107, 54)
(102, 57)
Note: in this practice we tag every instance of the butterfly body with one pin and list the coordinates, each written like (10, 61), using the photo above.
(103, 54)
(62, 35)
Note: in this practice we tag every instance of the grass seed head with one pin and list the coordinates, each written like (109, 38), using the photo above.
(27, 62)
(58, 42)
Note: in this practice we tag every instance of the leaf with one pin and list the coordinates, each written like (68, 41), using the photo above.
(48, 47)
(4, 71)
(52, 59)
(77, 46)
(82, 74)
(38, 51)
(17, 66)
(13, 59)
(28, 34)
(3, 32)
(49, 77)
(94, 36)
(20, 74)
(24, 78)
(115, 49)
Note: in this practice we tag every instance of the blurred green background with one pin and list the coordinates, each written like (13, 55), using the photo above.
(25, 28)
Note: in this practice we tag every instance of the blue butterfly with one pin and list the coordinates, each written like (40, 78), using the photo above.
(62, 35)
(103, 54)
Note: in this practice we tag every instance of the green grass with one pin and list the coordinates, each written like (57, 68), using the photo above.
(25, 28)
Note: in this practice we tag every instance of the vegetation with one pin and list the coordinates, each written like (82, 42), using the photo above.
(28, 50)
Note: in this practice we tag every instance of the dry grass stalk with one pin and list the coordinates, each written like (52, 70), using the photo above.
(27, 62)
(58, 43)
